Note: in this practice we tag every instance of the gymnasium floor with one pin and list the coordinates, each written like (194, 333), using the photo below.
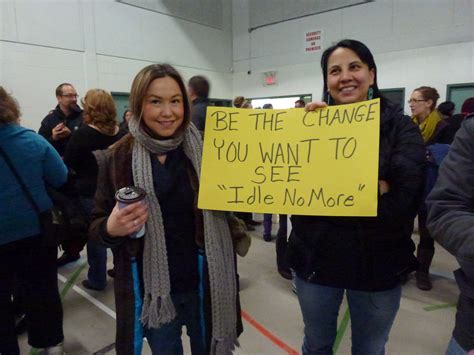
(271, 315)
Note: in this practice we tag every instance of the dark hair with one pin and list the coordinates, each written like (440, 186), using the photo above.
(300, 102)
(59, 89)
(125, 114)
(267, 106)
(143, 80)
(238, 101)
(429, 93)
(446, 108)
(468, 105)
(362, 52)
(9, 109)
(200, 86)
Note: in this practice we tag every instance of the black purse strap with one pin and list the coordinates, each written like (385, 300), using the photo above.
(20, 181)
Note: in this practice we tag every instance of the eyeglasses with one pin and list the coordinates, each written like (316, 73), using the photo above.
(71, 96)
(415, 100)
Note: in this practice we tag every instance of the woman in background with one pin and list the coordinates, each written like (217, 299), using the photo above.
(434, 130)
(27, 258)
(99, 130)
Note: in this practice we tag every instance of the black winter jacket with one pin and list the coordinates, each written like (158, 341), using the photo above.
(55, 117)
(368, 253)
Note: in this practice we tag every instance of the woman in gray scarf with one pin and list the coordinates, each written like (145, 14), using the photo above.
(182, 272)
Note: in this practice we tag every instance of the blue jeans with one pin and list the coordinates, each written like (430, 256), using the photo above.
(96, 254)
(267, 224)
(372, 316)
(166, 340)
(454, 348)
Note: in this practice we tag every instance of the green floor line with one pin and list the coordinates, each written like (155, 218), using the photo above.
(64, 291)
(341, 331)
(72, 280)
(439, 306)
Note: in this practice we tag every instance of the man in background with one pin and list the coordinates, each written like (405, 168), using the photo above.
(57, 128)
(58, 125)
(198, 90)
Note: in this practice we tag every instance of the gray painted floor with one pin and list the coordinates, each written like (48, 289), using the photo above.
(267, 300)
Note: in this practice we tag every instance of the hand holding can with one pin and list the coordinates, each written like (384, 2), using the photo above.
(130, 213)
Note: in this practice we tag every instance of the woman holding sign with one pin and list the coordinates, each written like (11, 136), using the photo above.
(366, 257)
(181, 271)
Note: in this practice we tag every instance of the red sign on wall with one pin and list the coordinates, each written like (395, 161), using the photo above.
(313, 41)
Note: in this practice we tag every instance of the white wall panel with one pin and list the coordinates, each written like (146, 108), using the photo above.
(7, 21)
(409, 69)
(32, 73)
(130, 32)
(47, 23)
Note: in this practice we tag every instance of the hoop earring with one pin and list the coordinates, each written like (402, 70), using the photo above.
(370, 94)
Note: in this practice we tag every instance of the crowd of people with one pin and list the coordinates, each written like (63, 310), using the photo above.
(182, 271)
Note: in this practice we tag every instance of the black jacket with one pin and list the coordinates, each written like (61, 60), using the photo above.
(368, 253)
(199, 113)
(451, 222)
(73, 122)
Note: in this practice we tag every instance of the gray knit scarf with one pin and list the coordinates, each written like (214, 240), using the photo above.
(158, 307)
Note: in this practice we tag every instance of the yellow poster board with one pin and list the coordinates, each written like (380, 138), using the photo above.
(323, 162)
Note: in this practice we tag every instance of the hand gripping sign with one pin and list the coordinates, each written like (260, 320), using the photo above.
(323, 162)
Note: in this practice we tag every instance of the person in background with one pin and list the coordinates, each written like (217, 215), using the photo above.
(182, 272)
(300, 103)
(57, 128)
(242, 102)
(267, 217)
(364, 257)
(27, 258)
(198, 91)
(457, 119)
(127, 115)
(58, 125)
(451, 223)
(446, 110)
(282, 236)
(434, 131)
(100, 130)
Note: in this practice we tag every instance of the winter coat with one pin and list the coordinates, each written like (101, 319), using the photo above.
(368, 253)
(451, 222)
(55, 117)
(38, 164)
(115, 172)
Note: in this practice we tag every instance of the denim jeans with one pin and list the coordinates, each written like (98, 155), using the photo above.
(372, 316)
(166, 340)
(455, 349)
(267, 224)
(96, 254)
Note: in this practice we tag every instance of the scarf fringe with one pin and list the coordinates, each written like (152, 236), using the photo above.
(224, 346)
(157, 312)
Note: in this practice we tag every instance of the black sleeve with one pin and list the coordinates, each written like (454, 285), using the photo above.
(46, 131)
(451, 202)
(406, 176)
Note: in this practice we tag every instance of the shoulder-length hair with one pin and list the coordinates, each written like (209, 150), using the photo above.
(100, 111)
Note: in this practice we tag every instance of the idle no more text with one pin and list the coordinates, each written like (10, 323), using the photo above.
(322, 162)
